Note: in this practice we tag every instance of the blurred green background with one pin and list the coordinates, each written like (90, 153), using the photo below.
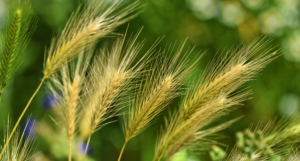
(212, 25)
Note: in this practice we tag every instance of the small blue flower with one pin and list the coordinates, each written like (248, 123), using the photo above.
(49, 101)
(30, 128)
(82, 147)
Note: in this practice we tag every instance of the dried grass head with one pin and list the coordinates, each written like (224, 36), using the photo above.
(217, 93)
(19, 148)
(84, 28)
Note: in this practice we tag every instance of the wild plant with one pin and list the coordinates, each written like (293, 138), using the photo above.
(91, 86)
(111, 77)
(20, 147)
(85, 27)
(275, 141)
(215, 95)
(20, 25)
(160, 88)
(67, 89)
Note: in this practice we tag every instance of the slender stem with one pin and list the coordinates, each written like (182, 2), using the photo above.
(70, 151)
(120, 156)
(87, 146)
(161, 155)
(18, 122)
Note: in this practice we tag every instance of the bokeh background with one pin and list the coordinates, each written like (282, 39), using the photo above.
(212, 25)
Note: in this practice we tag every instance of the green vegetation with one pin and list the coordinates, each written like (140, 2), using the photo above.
(182, 97)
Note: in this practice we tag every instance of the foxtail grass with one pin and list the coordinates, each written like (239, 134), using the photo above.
(20, 25)
(160, 88)
(111, 77)
(87, 25)
(67, 89)
(215, 95)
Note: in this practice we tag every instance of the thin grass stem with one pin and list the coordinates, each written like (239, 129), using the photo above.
(18, 122)
(87, 146)
(120, 156)
(161, 155)
(70, 151)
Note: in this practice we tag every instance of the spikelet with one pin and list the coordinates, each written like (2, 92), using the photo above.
(159, 90)
(21, 23)
(19, 149)
(227, 72)
(84, 28)
(110, 78)
(182, 135)
(215, 95)
(67, 88)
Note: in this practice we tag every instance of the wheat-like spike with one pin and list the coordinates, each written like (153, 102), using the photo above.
(111, 77)
(21, 23)
(178, 133)
(84, 28)
(205, 103)
(157, 93)
(148, 107)
(19, 149)
(227, 72)
(69, 85)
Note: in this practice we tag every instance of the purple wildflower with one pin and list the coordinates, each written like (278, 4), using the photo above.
(30, 128)
(49, 101)
(82, 147)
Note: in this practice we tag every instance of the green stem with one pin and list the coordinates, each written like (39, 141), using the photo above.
(165, 148)
(120, 156)
(18, 122)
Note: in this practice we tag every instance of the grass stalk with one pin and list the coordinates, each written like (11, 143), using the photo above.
(70, 151)
(120, 156)
(21, 116)
(87, 146)
(161, 155)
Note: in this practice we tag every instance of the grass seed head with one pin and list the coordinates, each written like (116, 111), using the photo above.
(84, 28)
(215, 95)
(21, 23)
(160, 88)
